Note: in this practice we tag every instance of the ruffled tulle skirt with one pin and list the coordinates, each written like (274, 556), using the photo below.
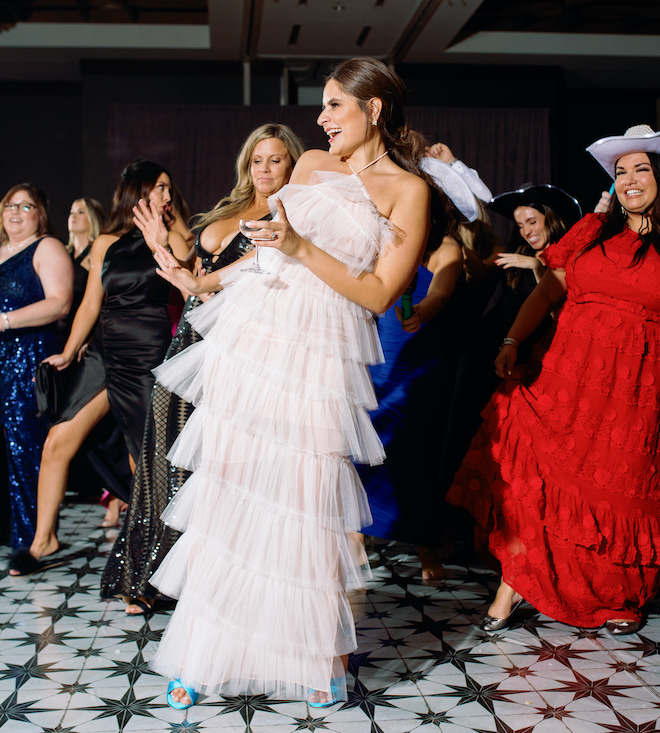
(281, 388)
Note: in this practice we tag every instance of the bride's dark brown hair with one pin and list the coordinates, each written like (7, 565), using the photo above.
(365, 78)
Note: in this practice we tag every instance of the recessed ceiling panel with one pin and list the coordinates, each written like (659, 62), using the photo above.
(332, 28)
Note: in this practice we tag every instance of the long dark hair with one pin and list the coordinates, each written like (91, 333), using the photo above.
(614, 221)
(365, 78)
(137, 181)
(555, 227)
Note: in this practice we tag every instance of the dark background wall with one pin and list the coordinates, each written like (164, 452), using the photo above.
(63, 136)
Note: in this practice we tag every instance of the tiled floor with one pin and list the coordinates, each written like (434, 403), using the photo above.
(74, 664)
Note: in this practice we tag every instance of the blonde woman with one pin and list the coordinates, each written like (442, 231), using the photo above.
(263, 166)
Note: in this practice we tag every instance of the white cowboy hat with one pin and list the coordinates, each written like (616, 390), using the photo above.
(453, 185)
(637, 139)
(562, 204)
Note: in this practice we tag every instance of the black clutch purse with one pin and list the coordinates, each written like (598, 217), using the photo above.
(48, 389)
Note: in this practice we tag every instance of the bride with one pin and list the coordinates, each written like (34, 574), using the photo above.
(282, 389)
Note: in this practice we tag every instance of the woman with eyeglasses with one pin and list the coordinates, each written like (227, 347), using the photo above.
(36, 283)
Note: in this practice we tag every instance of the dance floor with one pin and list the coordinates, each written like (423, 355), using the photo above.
(72, 663)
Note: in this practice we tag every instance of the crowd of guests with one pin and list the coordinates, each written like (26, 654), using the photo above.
(346, 388)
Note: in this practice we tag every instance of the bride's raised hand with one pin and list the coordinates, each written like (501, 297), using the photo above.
(150, 222)
(170, 269)
(285, 238)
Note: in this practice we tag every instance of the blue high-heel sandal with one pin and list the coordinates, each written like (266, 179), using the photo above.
(336, 687)
(175, 685)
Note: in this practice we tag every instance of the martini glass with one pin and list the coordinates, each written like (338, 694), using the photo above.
(249, 233)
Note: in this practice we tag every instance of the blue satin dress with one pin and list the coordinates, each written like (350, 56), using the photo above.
(21, 350)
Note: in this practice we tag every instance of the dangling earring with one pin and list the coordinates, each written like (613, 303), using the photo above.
(624, 211)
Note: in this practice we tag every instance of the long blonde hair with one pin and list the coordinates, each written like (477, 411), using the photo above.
(242, 195)
(96, 217)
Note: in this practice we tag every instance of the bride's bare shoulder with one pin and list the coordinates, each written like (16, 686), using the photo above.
(310, 161)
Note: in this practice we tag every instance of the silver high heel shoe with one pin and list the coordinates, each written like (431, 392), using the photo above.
(491, 623)
(621, 628)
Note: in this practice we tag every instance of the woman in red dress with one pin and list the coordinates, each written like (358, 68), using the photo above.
(563, 476)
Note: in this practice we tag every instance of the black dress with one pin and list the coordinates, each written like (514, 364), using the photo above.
(135, 332)
(102, 461)
(79, 285)
(144, 540)
(134, 335)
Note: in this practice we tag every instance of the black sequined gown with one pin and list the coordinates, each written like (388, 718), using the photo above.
(144, 540)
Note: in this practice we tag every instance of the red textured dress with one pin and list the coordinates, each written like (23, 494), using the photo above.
(562, 476)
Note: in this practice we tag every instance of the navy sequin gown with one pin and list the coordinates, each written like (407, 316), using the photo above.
(21, 350)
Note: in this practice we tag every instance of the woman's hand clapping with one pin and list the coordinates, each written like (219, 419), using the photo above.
(170, 269)
(150, 222)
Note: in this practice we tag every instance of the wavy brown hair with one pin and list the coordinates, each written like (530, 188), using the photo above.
(555, 227)
(136, 182)
(366, 78)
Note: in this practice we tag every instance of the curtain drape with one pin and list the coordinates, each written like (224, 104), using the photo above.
(198, 143)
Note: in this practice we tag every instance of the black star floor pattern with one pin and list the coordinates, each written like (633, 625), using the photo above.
(72, 663)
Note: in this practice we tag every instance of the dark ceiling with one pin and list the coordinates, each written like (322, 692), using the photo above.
(586, 39)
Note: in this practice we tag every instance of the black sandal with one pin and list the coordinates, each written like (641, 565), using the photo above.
(23, 563)
(145, 608)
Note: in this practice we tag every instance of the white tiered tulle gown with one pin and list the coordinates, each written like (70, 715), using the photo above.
(282, 390)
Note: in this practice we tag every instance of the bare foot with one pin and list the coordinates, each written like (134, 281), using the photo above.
(505, 599)
(432, 568)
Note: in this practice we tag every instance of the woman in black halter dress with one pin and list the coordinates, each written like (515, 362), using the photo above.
(263, 166)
